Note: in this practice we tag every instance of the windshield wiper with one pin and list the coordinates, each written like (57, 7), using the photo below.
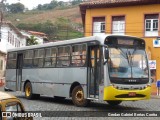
(127, 58)
(122, 53)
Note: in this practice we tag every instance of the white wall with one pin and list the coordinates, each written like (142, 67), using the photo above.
(8, 33)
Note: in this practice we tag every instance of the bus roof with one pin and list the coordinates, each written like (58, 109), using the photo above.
(99, 38)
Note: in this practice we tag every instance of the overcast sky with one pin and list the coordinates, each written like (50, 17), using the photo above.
(32, 3)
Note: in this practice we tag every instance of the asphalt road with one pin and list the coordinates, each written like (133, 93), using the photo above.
(60, 109)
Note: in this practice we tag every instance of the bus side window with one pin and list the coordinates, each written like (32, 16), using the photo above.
(38, 58)
(28, 57)
(47, 60)
(63, 58)
(78, 55)
(11, 62)
(54, 55)
(50, 57)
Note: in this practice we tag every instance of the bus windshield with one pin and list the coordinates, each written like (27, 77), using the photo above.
(127, 63)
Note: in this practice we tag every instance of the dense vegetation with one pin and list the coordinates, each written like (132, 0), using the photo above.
(60, 30)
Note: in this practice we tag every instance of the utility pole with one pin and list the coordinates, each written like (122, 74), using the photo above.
(2, 7)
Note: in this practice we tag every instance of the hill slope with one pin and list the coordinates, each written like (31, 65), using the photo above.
(72, 14)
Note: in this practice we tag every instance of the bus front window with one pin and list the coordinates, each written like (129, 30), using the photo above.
(127, 63)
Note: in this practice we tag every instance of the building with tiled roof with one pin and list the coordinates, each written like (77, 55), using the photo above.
(40, 36)
(10, 37)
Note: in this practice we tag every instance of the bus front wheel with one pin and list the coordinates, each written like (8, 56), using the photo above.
(114, 102)
(28, 92)
(78, 97)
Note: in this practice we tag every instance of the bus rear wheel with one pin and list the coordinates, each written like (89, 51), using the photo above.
(28, 92)
(114, 102)
(78, 97)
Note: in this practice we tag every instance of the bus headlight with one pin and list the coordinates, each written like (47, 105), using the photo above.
(148, 86)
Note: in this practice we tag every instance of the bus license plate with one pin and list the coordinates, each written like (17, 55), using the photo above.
(132, 94)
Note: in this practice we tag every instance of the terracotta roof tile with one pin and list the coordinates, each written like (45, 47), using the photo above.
(93, 2)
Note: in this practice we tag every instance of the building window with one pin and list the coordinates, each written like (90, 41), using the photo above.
(18, 44)
(0, 34)
(102, 27)
(151, 25)
(13, 40)
(8, 36)
(118, 25)
(99, 25)
(1, 64)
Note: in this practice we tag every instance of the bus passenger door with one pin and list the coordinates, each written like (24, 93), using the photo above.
(19, 72)
(93, 77)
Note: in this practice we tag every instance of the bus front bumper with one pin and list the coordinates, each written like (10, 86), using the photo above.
(111, 93)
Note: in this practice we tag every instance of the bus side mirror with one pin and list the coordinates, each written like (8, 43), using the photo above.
(106, 54)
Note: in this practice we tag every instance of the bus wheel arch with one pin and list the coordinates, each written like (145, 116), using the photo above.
(78, 97)
(25, 85)
(72, 87)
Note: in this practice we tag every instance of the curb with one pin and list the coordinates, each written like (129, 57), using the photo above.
(155, 97)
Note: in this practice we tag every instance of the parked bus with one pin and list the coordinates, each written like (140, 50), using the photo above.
(112, 68)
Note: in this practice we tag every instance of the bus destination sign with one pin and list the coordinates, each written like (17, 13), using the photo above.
(125, 42)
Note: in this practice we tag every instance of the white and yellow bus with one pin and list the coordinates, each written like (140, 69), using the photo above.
(112, 68)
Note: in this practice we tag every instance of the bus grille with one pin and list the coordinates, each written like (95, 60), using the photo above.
(127, 96)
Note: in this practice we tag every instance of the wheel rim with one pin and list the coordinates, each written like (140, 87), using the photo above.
(28, 90)
(79, 96)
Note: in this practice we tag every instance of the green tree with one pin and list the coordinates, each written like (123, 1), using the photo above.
(16, 8)
(75, 2)
(53, 4)
(39, 7)
(32, 41)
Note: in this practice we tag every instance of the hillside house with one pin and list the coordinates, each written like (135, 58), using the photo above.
(40, 36)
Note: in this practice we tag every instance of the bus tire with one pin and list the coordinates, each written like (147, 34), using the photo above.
(28, 91)
(78, 97)
(114, 102)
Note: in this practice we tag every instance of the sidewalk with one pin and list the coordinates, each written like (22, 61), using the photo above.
(155, 97)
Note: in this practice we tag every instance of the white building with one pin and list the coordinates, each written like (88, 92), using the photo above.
(40, 36)
(2, 64)
(10, 37)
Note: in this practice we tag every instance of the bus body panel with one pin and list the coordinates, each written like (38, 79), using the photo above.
(11, 79)
(55, 81)
(70, 75)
